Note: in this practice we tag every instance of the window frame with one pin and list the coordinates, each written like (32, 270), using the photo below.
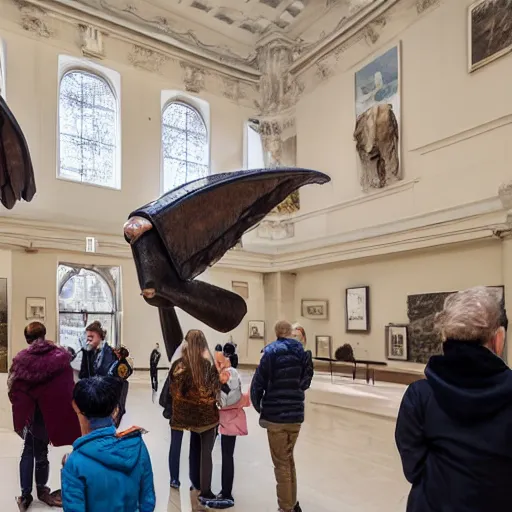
(69, 65)
(3, 69)
(202, 109)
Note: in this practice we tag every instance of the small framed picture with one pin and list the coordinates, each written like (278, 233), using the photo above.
(256, 329)
(396, 342)
(35, 308)
(357, 309)
(323, 346)
(315, 309)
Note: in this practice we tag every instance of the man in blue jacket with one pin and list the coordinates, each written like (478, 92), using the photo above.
(277, 393)
(106, 471)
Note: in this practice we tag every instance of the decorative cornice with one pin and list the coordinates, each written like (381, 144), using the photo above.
(145, 58)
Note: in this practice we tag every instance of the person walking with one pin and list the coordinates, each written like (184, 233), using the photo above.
(194, 387)
(453, 428)
(154, 359)
(40, 388)
(277, 393)
(98, 356)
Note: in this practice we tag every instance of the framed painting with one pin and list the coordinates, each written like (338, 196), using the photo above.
(489, 32)
(314, 309)
(396, 342)
(256, 329)
(323, 346)
(35, 308)
(357, 309)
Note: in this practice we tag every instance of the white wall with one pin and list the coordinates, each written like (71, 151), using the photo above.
(456, 126)
(391, 280)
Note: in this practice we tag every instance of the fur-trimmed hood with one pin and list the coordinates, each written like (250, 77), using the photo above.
(39, 363)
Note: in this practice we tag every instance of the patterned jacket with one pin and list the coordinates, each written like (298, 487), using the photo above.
(194, 408)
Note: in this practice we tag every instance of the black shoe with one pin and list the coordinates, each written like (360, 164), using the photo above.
(220, 502)
(297, 508)
(207, 497)
(175, 484)
(24, 502)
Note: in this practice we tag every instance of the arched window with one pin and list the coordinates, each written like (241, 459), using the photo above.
(184, 145)
(85, 295)
(88, 130)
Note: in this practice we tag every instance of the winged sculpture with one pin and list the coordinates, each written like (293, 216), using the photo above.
(181, 234)
(16, 172)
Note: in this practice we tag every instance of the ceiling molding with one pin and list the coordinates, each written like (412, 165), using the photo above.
(473, 221)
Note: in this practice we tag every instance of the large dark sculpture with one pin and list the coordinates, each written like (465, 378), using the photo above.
(181, 234)
(16, 173)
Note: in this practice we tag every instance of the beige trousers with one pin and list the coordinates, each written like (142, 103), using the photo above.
(282, 439)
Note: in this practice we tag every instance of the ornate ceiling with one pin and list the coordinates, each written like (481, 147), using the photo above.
(229, 30)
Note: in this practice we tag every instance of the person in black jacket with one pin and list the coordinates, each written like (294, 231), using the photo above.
(277, 393)
(98, 355)
(453, 429)
(154, 359)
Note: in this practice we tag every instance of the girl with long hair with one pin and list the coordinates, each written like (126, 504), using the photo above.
(194, 388)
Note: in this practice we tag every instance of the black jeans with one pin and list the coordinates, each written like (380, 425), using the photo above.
(174, 454)
(36, 450)
(228, 464)
(200, 460)
(153, 372)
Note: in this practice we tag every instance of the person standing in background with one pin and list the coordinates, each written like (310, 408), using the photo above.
(98, 356)
(299, 334)
(278, 393)
(121, 370)
(154, 359)
(40, 387)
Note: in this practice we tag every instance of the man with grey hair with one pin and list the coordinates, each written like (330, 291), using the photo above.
(277, 393)
(454, 428)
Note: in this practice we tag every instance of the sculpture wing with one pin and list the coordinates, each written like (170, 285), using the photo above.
(200, 221)
(16, 172)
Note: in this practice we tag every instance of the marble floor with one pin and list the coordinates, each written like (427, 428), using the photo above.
(346, 459)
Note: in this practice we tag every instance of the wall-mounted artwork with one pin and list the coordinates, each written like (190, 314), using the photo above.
(489, 32)
(257, 330)
(377, 132)
(323, 346)
(3, 325)
(424, 339)
(357, 309)
(241, 288)
(396, 342)
(35, 308)
(315, 309)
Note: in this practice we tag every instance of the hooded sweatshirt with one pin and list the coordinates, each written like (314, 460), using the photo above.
(454, 432)
(108, 472)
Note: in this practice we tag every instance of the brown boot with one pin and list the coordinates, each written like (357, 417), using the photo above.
(52, 499)
(24, 502)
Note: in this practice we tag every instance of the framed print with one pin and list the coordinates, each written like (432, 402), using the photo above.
(357, 309)
(396, 342)
(35, 308)
(256, 329)
(323, 346)
(489, 32)
(315, 309)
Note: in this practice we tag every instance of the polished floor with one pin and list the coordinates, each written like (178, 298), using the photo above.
(346, 459)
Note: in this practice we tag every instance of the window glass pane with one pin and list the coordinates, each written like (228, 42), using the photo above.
(88, 129)
(184, 145)
(86, 291)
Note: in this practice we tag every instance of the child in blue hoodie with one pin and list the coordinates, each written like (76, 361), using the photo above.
(107, 471)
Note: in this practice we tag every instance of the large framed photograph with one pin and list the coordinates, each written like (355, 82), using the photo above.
(396, 342)
(256, 329)
(35, 308)
(357, 309)
(489, 32)
(323, 346)
(315, 309)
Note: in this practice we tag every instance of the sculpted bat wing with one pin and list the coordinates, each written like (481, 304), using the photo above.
(181, 234)
(16, 173)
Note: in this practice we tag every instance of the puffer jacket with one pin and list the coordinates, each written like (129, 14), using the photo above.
(281, 379)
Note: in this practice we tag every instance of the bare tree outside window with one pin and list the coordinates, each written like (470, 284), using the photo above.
(184, 145)
(88, 129)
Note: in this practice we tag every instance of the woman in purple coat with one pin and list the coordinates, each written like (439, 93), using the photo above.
(41, 392)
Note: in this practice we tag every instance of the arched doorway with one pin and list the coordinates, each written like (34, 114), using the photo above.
(86, 294)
